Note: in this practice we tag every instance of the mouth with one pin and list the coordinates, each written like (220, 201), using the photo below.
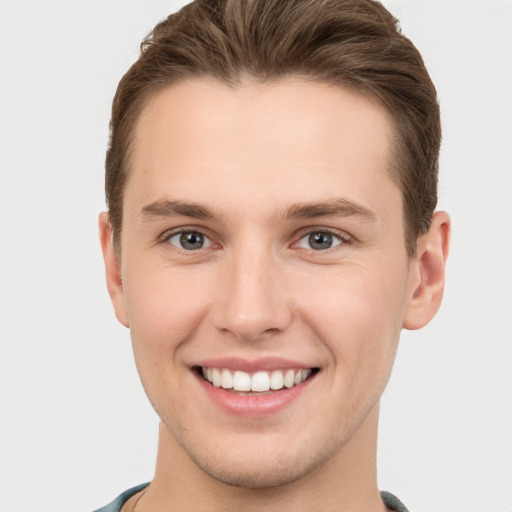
(255, 383)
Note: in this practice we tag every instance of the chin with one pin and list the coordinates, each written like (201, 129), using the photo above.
(261, 466)
(253, 474)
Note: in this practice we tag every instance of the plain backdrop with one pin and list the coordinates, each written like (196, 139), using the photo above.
(75, 426)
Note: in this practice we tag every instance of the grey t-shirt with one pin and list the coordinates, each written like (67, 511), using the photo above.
(391, 501)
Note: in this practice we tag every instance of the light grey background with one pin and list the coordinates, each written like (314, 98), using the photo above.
(75, 426)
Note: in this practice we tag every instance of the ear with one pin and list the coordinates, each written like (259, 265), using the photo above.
(427, 272)
(112, 269)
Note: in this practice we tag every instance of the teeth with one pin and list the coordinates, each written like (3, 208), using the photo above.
(289, 378)
(227, 379)
(258, 382)
(241, 381)
(216, 378)
(276, 380)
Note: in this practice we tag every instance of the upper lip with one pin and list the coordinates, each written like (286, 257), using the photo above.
(254, 365)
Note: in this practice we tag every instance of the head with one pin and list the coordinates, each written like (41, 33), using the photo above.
(353, 44)
(271, 180)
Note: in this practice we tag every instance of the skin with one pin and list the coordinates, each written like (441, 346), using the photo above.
(257, 288)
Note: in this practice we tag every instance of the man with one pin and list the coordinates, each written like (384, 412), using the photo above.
(271, 181)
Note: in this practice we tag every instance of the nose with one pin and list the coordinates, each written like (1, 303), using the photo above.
(252, 301)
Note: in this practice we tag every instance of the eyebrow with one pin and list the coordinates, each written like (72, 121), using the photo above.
(166, 208)
(337, 207)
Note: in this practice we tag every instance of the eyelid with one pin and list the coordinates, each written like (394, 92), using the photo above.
(342, 235)
(168, 234)
(206, 240)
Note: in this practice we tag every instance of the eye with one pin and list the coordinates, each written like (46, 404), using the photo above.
(189, 240)
(320, 241)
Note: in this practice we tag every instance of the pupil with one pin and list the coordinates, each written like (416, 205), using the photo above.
(191, 240)
(320, 240)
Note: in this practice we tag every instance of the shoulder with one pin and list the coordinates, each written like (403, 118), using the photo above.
(392, 502)
(117, 504)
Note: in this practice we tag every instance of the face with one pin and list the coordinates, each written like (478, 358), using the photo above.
(264, 272)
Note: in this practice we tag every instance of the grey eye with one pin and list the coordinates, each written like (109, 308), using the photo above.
(319, 241)
(190, 240)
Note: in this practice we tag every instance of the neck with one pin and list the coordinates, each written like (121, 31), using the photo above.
(346, 482)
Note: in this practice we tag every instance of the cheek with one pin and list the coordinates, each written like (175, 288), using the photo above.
(358, 312)
(165, 308)
(165, 311)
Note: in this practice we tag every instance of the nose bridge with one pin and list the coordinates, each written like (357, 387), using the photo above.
(252, 300)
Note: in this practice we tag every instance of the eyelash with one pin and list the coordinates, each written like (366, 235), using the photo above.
(167, 236)
(341, 236)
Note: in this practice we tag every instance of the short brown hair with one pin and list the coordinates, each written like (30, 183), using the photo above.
(355, 44)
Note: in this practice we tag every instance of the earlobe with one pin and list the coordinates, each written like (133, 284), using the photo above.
(112, 269)
(427, 273)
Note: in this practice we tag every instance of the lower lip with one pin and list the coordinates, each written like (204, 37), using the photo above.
(254, 405)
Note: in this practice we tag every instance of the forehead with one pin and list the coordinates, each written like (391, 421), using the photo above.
(287, 140)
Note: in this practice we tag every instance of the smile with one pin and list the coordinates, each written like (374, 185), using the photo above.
(258, 382)
(255, 388)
